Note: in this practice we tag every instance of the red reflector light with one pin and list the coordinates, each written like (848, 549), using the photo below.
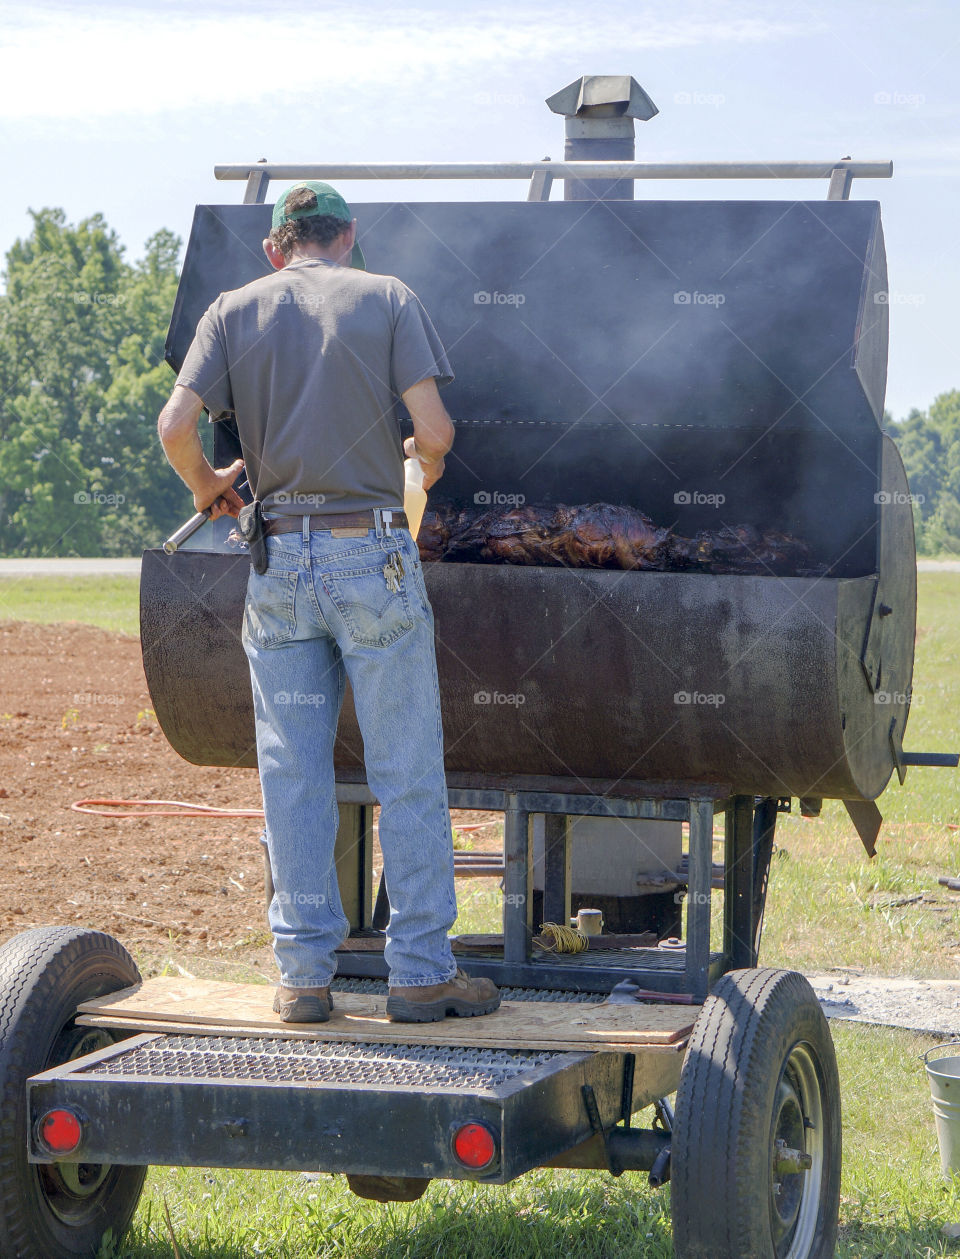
(474, 1145)
(60, 1131)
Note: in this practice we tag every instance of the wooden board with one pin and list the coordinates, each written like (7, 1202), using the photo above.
(208, 1006)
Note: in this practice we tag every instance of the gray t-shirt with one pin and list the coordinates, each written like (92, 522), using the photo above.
(311, 361)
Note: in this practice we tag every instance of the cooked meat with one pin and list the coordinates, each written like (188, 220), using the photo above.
(434, 534)
(605, 536)
(743, 549)
(599, 535)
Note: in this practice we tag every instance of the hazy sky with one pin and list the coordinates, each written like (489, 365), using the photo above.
(125, 108)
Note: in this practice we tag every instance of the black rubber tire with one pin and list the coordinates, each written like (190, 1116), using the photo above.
(760, 1043)
(44, 975)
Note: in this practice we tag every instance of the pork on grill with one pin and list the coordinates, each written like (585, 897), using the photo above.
(600, 535)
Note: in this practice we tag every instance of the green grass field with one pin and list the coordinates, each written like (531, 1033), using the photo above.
(110, 602)
(829, 906)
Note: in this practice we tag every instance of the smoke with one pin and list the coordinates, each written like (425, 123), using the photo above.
(692, 359)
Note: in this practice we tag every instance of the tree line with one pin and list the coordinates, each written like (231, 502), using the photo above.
(82, 380)
(929, 442)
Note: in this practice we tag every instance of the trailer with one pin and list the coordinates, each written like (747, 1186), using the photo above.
(664, 355)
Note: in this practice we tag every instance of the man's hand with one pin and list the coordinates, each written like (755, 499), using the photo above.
(219, 494)
(211, 487)
(432, 429)
(432, 468)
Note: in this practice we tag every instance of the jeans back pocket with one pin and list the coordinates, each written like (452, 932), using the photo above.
(268, 615)
(375, 614)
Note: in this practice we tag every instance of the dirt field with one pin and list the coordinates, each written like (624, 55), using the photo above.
(76, 721)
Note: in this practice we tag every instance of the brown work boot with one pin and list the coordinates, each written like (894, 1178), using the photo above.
(303, 1005)
(459, 995)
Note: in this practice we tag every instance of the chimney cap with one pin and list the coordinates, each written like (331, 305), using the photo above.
(603, 96)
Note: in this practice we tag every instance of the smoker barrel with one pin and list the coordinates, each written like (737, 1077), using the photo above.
(709, 363)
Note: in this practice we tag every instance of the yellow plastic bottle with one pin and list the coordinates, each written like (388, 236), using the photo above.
(414, 495)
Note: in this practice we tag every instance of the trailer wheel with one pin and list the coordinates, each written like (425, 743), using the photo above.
(55, 1211)
(755, 1167)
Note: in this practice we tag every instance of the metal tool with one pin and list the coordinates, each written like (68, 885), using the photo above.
(628, 991)
(187, 530)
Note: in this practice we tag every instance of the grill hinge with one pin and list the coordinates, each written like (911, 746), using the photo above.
(871, 655)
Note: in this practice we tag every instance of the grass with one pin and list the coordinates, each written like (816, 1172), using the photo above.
(932, 796)
(110, 602)
(829, 906)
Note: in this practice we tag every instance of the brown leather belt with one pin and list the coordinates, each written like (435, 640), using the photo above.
(333, 520)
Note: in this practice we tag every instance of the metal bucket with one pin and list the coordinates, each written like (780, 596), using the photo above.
(943, 1073)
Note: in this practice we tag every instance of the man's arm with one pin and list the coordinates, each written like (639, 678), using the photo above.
(211, 487)
(432, 428)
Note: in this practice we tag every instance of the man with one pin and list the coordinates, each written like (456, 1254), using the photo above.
(311, 360)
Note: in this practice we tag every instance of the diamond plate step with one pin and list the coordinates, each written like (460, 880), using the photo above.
(323, 1062)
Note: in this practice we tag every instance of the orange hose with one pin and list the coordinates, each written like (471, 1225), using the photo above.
(186, 808)
(182, 808)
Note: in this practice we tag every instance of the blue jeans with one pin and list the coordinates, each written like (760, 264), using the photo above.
(323, 610)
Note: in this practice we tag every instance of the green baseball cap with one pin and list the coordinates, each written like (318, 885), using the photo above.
(329, 201)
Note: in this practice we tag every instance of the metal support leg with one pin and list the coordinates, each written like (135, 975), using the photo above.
(738, 922)
(840, 182)
(556, 868)
(764, 830)
(698, 898)
(353, 855)
(517, 883)
(541, 181)
(255, 192)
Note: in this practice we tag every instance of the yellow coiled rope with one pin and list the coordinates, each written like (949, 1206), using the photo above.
(556, 938)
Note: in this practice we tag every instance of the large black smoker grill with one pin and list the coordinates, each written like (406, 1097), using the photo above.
(706, 362)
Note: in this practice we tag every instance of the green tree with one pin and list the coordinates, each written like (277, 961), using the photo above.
(82, 379)
(930, 445)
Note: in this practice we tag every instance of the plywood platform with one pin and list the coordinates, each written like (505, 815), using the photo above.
(198, 1006)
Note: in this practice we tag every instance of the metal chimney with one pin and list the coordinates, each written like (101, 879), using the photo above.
(599, 110)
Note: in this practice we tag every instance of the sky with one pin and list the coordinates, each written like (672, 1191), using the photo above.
(125, 108)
